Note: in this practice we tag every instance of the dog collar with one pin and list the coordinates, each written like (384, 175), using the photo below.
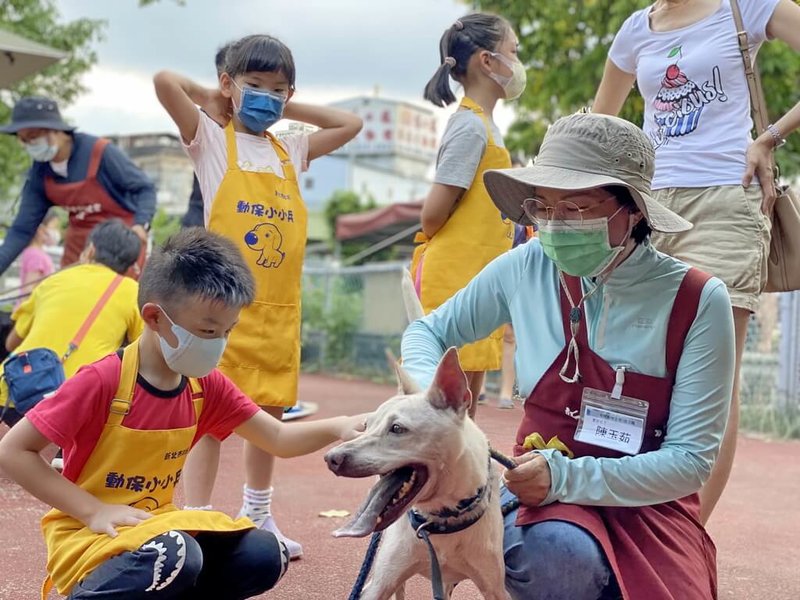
(448, 519)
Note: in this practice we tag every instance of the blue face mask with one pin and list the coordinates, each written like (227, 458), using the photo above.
(259, 110)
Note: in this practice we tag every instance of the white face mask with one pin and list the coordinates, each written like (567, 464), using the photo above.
(514, 85)
(194, 356)
(41, 150)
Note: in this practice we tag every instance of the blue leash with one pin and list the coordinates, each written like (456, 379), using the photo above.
(366, 566)
(508, 463)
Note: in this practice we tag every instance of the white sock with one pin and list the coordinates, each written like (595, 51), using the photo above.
(206, 507)
(257, 503)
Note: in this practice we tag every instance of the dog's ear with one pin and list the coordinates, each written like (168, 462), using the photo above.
(405, 384)
(449, 388)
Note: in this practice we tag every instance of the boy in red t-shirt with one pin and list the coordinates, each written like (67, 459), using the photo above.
(126, 424)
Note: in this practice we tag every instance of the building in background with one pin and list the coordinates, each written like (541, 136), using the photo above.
(162, 158)
(389, 161)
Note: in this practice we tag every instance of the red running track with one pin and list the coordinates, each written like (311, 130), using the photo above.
(756, 526)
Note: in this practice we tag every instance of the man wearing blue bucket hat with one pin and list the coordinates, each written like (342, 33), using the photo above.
(87, 176)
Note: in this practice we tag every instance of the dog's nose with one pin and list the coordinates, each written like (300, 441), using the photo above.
(335, 460)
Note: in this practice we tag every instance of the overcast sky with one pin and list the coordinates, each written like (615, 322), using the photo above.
(341, 48)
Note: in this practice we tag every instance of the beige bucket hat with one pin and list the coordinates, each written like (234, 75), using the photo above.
(581, 152)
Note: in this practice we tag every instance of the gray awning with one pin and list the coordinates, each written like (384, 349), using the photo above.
(20, 57)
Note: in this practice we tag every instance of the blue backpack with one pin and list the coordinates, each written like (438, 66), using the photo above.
(31, 376)
(36, 373)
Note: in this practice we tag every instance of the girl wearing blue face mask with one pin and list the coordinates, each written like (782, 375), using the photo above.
(248, 181)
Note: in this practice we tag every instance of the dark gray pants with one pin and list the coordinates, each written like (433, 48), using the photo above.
(176, 565)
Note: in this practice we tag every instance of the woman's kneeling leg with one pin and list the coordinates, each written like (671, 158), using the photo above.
(554, 560)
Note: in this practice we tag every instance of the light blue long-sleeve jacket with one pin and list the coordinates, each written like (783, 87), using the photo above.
(627, 321)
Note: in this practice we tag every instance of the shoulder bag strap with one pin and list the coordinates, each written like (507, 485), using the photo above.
(758, 103)
(87, 324)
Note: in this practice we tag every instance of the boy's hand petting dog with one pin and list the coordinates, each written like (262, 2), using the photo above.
(108, 517)
(530, 481)
(352, 427)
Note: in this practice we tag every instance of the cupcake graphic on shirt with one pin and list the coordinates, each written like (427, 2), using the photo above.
(677, 111)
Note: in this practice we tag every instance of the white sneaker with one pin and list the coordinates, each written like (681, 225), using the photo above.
(268, 524)
(300, 410)
(58, 461)
(505, 403)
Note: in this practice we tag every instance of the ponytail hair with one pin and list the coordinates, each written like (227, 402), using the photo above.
(465, 37)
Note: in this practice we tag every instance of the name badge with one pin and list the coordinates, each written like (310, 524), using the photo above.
(613, 423)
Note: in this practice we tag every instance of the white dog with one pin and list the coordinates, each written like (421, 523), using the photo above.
(433, 458)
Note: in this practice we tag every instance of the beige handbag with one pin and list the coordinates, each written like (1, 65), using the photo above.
(783, 271)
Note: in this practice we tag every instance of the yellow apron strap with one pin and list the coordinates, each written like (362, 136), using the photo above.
(197, 395)
(47, 586)
(121, 404)
(476, 108)
(283, 155)
(230, 139)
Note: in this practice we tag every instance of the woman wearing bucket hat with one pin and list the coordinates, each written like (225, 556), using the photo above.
(626, 358)
(90, 178)
(685, 57)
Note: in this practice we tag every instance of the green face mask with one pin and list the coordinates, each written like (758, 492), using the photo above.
(579, 248)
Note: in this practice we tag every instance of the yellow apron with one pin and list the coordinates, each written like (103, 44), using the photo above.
(473, 236)
(128, 466)
(264, 215)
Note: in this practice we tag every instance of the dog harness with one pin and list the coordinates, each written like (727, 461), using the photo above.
(443, 521)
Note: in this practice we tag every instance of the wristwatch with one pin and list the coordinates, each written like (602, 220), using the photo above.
(777, 139)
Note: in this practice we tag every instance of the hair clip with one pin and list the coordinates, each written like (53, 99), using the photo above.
(449, 61)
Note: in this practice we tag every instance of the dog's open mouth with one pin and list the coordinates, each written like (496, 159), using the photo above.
(386, 501)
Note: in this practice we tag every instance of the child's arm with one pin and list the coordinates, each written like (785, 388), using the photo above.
(338, 126)
(181, 97)
(20, 460)
(438, 207)
(286, 441)
(13, 340)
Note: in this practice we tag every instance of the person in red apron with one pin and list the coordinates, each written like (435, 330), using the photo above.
(87, 176)
(625, 356)
(127, 423)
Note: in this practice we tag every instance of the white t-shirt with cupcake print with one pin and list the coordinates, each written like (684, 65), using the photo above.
(697, 107)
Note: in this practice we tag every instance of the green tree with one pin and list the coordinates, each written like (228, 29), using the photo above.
(40, 21)
(565, 44)
(163, 226)
(344, 202)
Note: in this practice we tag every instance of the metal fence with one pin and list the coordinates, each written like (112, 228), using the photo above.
(351, 314)
(10, 280)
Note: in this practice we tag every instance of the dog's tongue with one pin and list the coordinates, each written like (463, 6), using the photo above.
(366, 518)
